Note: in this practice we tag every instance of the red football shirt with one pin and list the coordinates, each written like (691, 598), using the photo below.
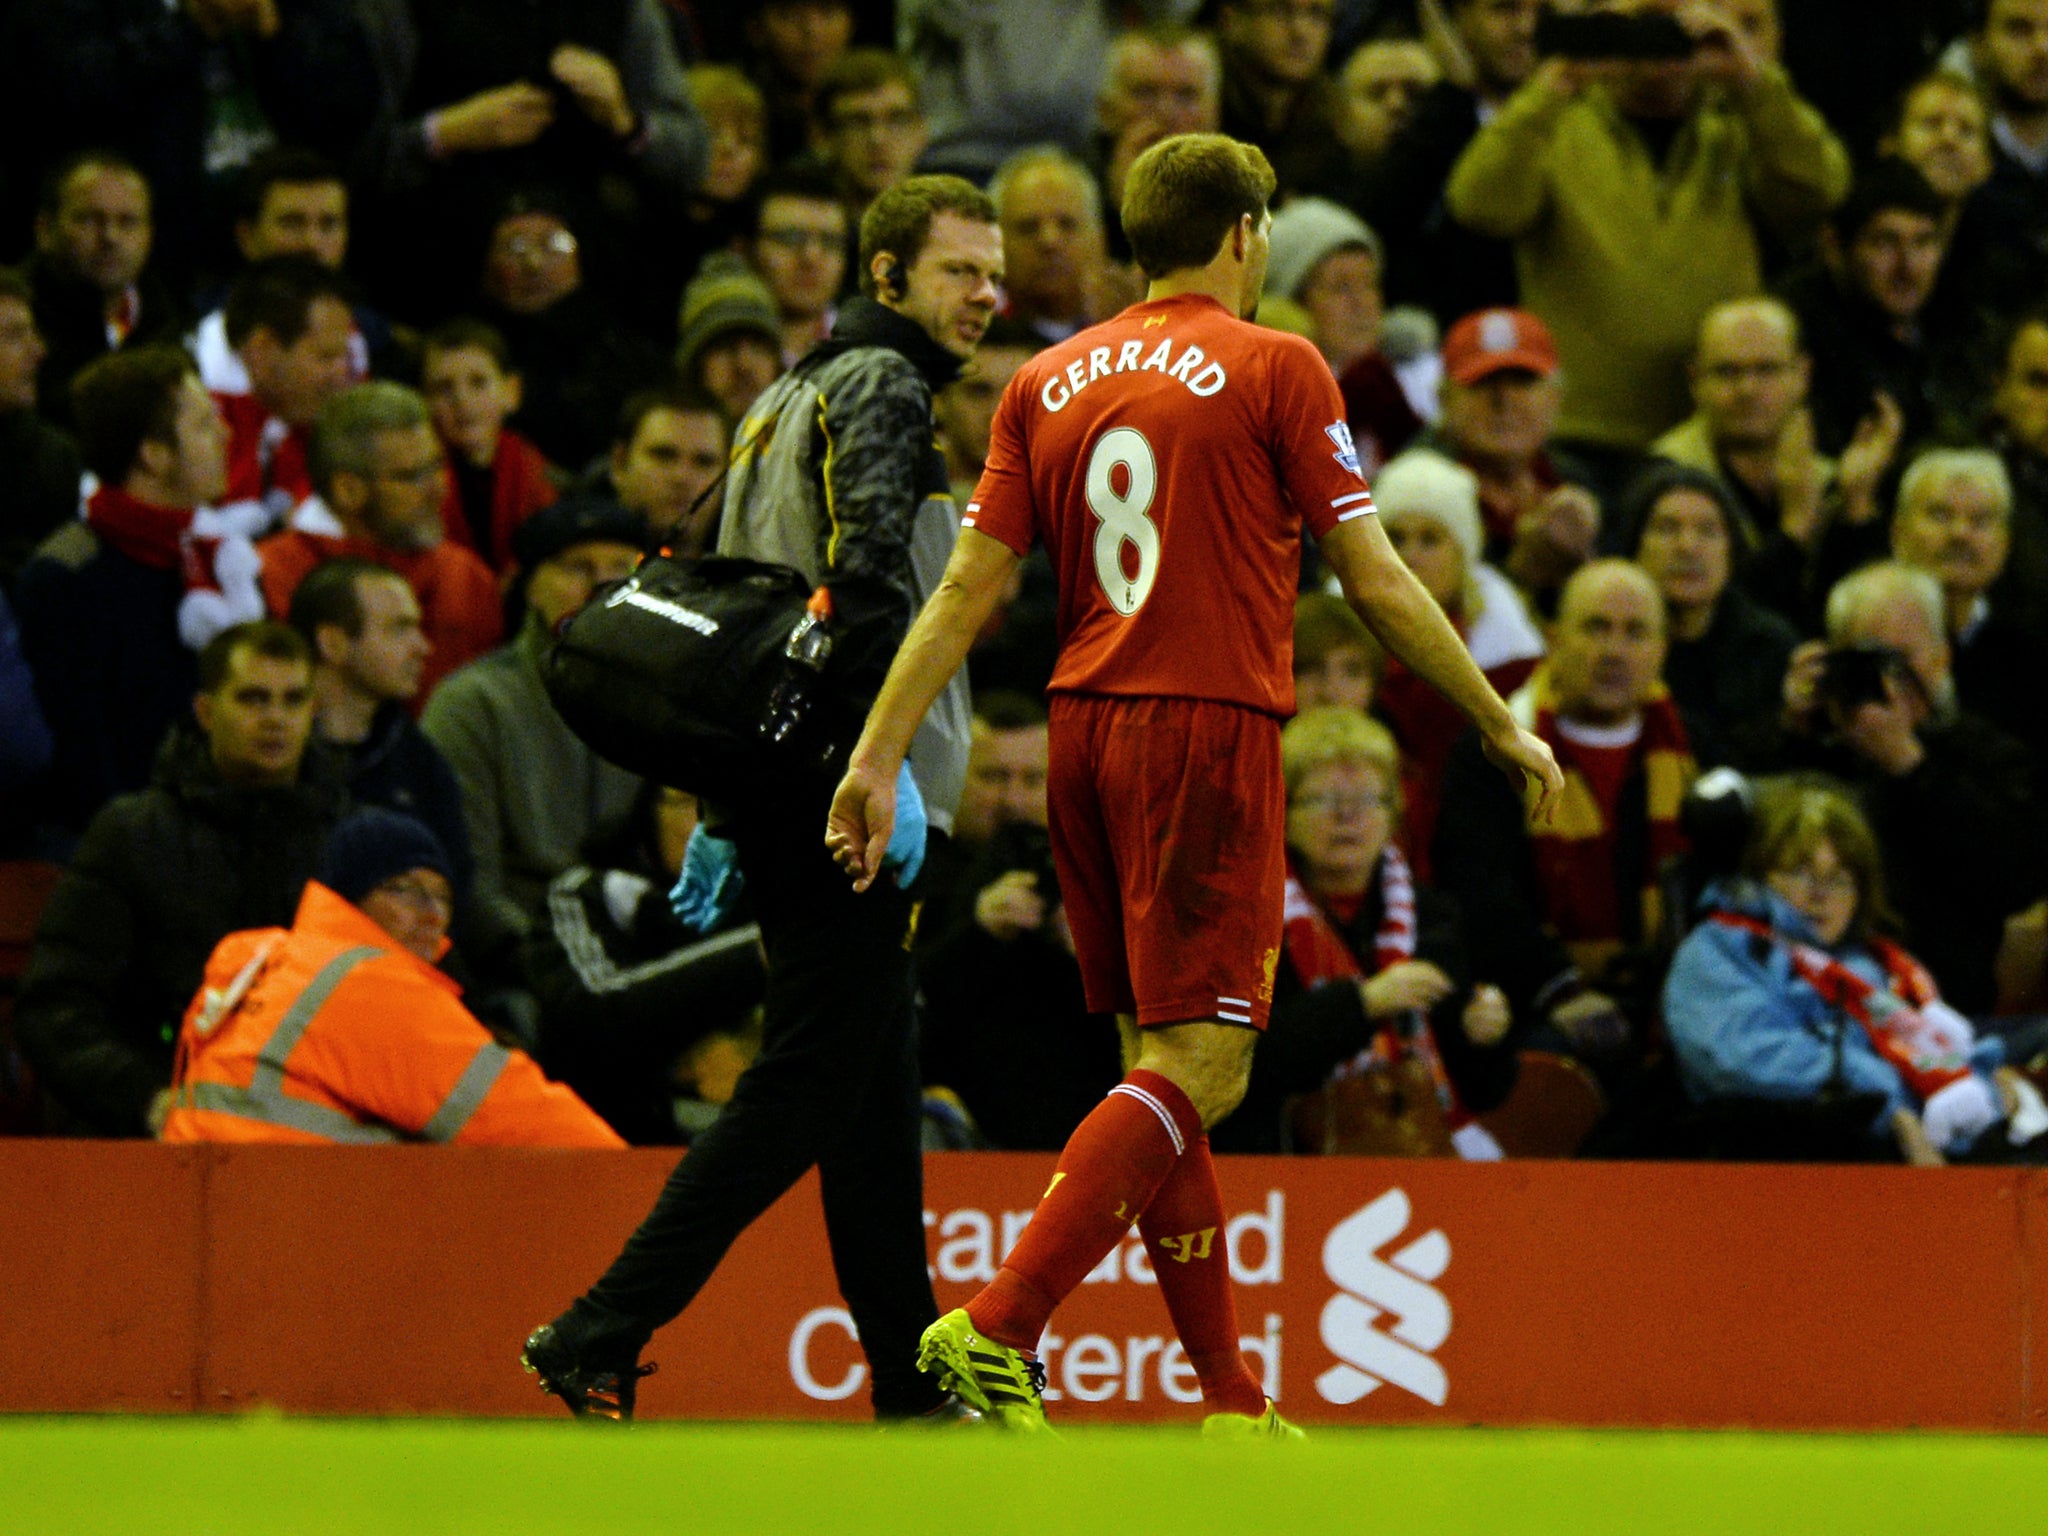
(1167, 459)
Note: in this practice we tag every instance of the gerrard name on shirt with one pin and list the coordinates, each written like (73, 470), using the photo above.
(1082, 371)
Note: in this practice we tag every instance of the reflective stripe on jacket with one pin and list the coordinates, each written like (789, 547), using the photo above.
(329, 1032)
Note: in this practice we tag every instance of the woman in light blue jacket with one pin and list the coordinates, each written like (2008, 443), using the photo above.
(1787, 991)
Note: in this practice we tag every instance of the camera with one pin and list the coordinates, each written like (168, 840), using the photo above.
(1855, 675)
(1612, 35)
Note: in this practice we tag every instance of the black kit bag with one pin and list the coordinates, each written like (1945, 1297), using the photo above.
(715, 675)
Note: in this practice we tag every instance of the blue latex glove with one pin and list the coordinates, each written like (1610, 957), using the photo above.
(905, 854)
(710, 883)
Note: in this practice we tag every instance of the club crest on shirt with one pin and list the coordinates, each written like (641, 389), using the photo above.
(1347, 451)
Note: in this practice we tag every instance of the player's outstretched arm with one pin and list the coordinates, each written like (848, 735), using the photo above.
(864, 808)
(1406, 620)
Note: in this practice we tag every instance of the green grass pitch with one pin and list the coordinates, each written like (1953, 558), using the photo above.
(247, 1477)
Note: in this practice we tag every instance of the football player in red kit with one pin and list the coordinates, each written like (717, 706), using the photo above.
(1167, 459)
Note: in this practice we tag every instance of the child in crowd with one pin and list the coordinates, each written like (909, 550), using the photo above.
(497, 479)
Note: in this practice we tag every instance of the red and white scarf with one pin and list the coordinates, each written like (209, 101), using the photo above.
(211, 548)
(1319, 955)
(1909, 1025)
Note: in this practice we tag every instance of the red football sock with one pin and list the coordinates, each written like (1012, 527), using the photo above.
(1183, 1231)
(1112, 1167)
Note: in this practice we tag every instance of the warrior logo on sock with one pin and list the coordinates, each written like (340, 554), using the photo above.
(1189, 1245)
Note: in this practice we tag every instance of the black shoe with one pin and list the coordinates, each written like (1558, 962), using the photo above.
(588, 1393)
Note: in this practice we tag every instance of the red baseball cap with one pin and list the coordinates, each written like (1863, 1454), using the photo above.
(1489, 341)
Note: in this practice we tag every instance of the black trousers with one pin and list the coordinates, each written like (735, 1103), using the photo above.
(836, 1085)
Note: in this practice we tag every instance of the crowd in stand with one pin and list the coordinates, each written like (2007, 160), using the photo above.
(351, 345)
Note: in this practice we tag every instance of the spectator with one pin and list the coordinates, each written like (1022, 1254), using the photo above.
(1943, 130)
(794, 44)
(730, 336)
(1788, 993)
(382, 478)
(966, 407)
(1053, 254)
(1489, 47)
(497, 479)
(1954, 521)
(1337, 662)
(224, 838)
(1563, 915)
(872, 128)
(996, 78)
(1497, 410)
(340, 1029)
(40, 491)
(1951, 797)
(533, 795)
(1798, 511)
(1620, 265)
(2018, 429)
(1005, 1025)
(736, 116)
(361, 622)
(798, 245)
(1382, 81)
(1275, 93)
(1327, 260)
(1017, 651)
(1726, 658)
(1409, 1013)
(477, 103)
(632, 1002)
(288, 323)
(1429, 507)
(290, 202)
(669, 450)
(575, 359)
(1866, 312)
(94, 291)
(104, 602)
(1004, 787)
(1158, 79)
(25, 743)
(2010, 56)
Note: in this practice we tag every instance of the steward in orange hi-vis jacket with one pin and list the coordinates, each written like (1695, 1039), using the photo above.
(338, 1030)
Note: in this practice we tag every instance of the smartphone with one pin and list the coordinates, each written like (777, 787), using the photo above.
(1613, 35)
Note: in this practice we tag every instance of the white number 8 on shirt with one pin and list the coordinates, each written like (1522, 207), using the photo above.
(1124, 519)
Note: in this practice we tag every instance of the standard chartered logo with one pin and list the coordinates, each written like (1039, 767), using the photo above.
(1398, 1287)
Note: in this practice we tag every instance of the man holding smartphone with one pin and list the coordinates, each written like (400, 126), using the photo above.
(1635, 186)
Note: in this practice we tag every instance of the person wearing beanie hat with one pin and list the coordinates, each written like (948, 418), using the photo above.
(372, 845)
(729, 336)
(341, 1029)
(1329, 261)
(1429, 505)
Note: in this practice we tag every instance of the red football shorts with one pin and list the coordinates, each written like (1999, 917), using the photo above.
(1169, 825)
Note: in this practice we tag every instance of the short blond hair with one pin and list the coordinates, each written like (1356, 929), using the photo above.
(1185, 194)
(1318, 738)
